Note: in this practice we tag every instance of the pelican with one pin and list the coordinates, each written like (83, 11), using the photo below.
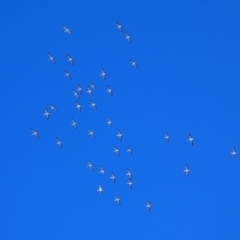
(133, 63)
(117, 199)
(67, 74)
(109, 122)
(129, 150)
(100, 189)
(113, 177)
(109, 90)
(34, 133)
(52, 107)
(79, 88)
(103, 74)
(190, 139)
(92, 86)
(89, 91)
(51, 58)
(130, 183)
(75, 94)
(186, 170)
(119, 26)
(70, 59)
(233, 153)
(90, 165)
(116, 150)
(59, 142)
(90, 132)
(129, 174)
(67, 30)
(119, 134)
(102, 171)
(93, 104)
(46, 114)
(166, 137)
(148, 206)
(74, 124)
(128, 37)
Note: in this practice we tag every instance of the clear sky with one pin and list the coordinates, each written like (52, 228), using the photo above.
(187, 82)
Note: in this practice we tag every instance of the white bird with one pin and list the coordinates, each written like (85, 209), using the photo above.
(51, 58)
(186, 170)
(59, 142)
(103, 74)
(117, 199)
(89, 91)
(74, 124)
(102, 171)
(166, 137)
(109, 90)
(148, 206)
(128, 37)
(34, 133)
(75, 94)
(233, 153)
(67, 30)
(109, 122)
(116, 150)
(100, 189)
(113, 177)
(119, 134)
(90, 132)
(92, 86)
(90, 165)
(78, 106)
(67, 74)
(52, 108)
(133, 63)
(129, 174)
(190, 139)
(119, 26)
(79, 88)
(129, 150)
(130, 183)
(70, 59)
(46, 113)
(93, 104)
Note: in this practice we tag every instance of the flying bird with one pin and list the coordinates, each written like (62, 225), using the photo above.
(116, 150)
(148, 206)
(166, 137)
(100, 189)
(90, 165)
(113, 177)
(78, 106)
(128, 37)
(79, 88)
(109, 122)
(103, 74)
(59, 142)
(90, 132)
(52, 108)
(133, 63)
(67, 74)
(74, 124)
(117, 199)
(34, 133)
(67, 30)
(102, 171)
(233, 153)
(109, 90)
(190, 139)
(75, 94)
(186, 170)
(92, 86)
(70, 59)
(46, 113)
(119, 26)
(51, 58)
(129, 150)
(93, 104)
(119, 135)
(129, 174)
(89, 91)
(130, 183)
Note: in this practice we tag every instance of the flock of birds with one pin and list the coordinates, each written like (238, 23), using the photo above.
(90, 89)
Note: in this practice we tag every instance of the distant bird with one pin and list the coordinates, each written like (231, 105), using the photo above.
(67, 30)
(109, 122)
(109, 90)
(117, 199)
(90, 165)
(100, 189)
(148, 206)
(34, 133)
(130, 183)
(70, 59)
(133, 63)
(102, 171)
(119, 26)
(129, 150)
(78, 106)
(46, 114)
(166, 137)
(103, 74)
(128, 37)
(59, 142)
(74, 124)
(79, 88)
(116, 150)
(233, 153)
(113, 177)
(51, 58)
(89, 91)
(67, 74)
(90, 132)
(92, 86)
(129, 174)
(52, 108)
(119, 135)
(190, 139)
(93, 104)
(186, 170)
(75, 94)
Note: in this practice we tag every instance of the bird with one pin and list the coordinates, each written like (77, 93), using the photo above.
(34, 133)
(67, 30)
(67, 74)
(52, 108)
(90, 165)
(109, 122)
(233, 153)
(79, 88)
(129, 150)
(46, 113)
(89, 91)
(93, 104)
(129, 174)
(92, 86)
(128, 37)
(119, 26)
(130, 183)
(59, 142)
(102, 171)
(186, 170)
(103, 74)
(119, 134)
(70, 59)
(190, 139)
(116, 150)
(166, 137)
(113, 177)
(117, 199)
(75, 94)
(51, 58)
(100, 189)
(109, 90)
(148, 206)
(78, 106)
(74, 124)
(90, 132)
(133, 63)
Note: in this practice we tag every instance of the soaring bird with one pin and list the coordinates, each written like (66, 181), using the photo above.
(93, 104)
(119, 26)
(67, 74)
(102, 171)
(90, 132)
(117, 199)
(51, 58)
(109, 90)
(52, 107)
(130, 183)
(103, 74)
(129, 150)
(92, 86)
(119, 135)
(109, 122)
(113, 177)
(233, 153)
(116, 150)
(74, 124)
(166, 137)
(59, 142)
(133, 63)
(128, 37)
(89, 91)
(129, 174)
(34, 133)
(148, 206)
(46, 114)
(78, 106)
(190, 139)
(90, 165)
(100, 189)
(79, 88)
(75, 94)
(70, 59)
(186, 170)
(67, 30)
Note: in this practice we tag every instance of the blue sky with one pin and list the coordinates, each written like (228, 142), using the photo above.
(187, 82)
